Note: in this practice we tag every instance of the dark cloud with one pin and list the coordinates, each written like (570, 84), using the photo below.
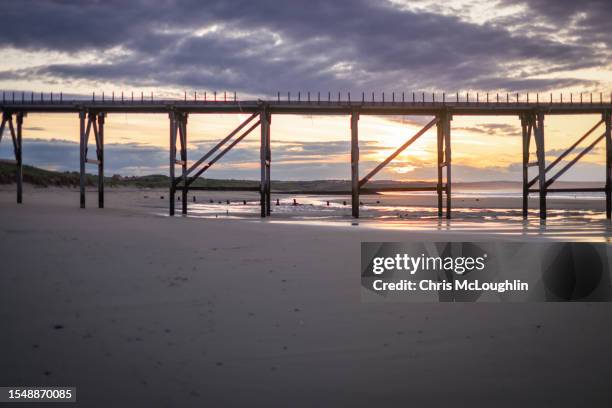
(493, 129)
(264, 46)
(587, 21)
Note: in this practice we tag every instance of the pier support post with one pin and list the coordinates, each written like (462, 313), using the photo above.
(355, 164)
(541, 156)
(95, 123)
(100, 154)
(268, 164)
(526, 123)
(178, 129)
(447, 153)
(182, 128)
(607, 115)
(18, 157)
(263, 158)
(172, 117)
(440, 145)
(83, 146)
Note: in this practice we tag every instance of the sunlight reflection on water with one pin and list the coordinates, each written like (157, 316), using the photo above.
(574, 225)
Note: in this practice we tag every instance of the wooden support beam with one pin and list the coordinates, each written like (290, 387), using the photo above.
(607, 117)
(100, 154)
(541, 155)
(268, 164)
(263, 146)
(447, 158)
(221, 143)
(355, 164)
(568, 151)
(13, 134)
(18, 157)
(83, 146)
(92, 119)
(397, 152)
(221, 154)
(575, 159)
(526, 129)
(16, 136)
(572, 147)
(182, 129)
(172, 118)
(87, 131)
(5, 118)
(440, 147)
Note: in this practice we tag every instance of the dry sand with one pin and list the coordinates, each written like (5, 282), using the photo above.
(137, 309)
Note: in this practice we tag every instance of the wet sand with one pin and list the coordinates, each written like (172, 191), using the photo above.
(139, 309)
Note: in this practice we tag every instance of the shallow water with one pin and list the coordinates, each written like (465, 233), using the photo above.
(501, 193)
(570, 225)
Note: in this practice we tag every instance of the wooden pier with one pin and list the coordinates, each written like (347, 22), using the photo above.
(532, 112)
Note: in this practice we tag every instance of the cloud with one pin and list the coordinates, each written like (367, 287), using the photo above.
(582, 22)
(492, 129)
(259, 48)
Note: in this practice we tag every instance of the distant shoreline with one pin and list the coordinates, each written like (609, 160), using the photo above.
(46, 178)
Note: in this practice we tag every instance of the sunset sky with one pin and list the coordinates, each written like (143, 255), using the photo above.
(257, 48)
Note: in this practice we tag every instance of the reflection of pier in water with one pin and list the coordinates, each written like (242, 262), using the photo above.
(532, 112)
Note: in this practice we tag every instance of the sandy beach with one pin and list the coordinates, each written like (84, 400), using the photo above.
(135, 308)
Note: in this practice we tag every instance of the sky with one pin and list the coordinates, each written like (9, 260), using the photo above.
(257, 49)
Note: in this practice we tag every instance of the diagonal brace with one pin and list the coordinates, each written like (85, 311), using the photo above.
(578, 157)
(222, 153)
(5, 118)
(221, 143)
(8, 118)
(565, 153)
(400, 149)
